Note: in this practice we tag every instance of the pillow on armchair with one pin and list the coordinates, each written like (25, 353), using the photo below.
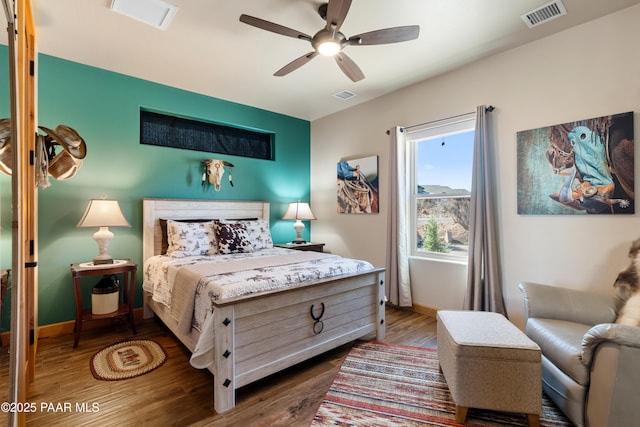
(627, 285)
(630, 312)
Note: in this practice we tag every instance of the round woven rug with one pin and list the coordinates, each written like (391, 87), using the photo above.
(127, 359)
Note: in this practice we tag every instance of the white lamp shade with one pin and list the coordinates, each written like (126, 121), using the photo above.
(103, 213)
(299, 211)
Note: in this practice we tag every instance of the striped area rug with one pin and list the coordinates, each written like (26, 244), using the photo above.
(389, 385)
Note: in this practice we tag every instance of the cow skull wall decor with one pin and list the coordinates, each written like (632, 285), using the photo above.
(213, 171)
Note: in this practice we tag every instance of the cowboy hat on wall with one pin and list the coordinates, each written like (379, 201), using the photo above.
(62, 148)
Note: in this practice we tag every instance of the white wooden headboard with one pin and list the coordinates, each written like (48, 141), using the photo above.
(155, 209)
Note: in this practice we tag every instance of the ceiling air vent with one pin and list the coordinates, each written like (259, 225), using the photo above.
(157, 13)
(545, 13)
(344, 94)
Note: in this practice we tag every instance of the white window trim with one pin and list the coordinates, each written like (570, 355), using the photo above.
(450, 126)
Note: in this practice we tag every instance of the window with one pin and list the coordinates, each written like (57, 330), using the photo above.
(177, 132)
(440, 174)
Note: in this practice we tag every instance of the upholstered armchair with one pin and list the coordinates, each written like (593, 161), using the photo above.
(590, 365)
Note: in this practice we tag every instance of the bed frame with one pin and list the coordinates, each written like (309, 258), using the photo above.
(261, 334)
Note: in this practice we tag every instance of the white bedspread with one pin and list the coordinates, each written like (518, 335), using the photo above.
(221, 277)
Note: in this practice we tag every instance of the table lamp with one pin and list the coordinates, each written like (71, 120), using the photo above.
(103, 213)
(299, 211)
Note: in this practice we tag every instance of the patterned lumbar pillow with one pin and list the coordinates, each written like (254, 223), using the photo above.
(232, 238)
(190, 239)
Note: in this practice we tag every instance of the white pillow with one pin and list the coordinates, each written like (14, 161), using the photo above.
(259, 233)
(191, 239)
(630, 313)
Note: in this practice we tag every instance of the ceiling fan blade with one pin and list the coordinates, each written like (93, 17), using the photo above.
(336, 12)
(349, 67)
(387, 35)
(273, 27)
(295, 64)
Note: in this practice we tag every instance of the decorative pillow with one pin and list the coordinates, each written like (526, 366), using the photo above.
(164, 239)
(258, 232)
(232, 238)
(190, 238)
(630, 313)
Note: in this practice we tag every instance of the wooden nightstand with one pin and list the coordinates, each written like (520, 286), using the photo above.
(128, 270)
(4, 282)
(309, 246)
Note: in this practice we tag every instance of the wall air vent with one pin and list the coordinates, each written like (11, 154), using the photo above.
(344, 94)
(157, 13)
(544, 13)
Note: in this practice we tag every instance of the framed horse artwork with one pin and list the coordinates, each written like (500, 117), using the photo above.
(580, 167)
(357, 186)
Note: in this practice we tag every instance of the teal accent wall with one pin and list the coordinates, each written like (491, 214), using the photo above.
(5, 187)
(104, 108)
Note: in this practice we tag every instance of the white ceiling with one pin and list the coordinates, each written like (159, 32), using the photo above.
(206, 49)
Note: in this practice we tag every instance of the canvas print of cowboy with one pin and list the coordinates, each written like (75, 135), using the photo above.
(358, 185)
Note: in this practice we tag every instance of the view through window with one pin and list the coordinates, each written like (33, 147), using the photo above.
(442, 160)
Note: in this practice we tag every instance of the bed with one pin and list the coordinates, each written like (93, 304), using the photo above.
(246, 337)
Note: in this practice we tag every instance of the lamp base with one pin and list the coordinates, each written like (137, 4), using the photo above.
(298, 242)
(100, 261)
(298, 226)
(103, 237)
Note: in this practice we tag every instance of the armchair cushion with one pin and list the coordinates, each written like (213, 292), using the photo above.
(551, 302)
(561, 343)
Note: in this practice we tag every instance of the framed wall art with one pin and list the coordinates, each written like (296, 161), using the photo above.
(581, 167)
(358, 186)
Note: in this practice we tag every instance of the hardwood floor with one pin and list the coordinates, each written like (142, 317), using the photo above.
(177, 394)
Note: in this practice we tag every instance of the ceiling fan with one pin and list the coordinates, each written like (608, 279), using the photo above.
(330, 41)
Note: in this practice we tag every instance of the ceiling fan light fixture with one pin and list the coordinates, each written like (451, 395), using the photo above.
(329, 48)
(329, 41)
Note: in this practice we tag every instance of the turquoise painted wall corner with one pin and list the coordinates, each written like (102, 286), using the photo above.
(104, 108)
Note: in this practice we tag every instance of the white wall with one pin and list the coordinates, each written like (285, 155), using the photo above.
(589, 71)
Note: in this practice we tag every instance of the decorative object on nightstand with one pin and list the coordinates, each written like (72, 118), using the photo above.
(128, 270)
(299, 211)
(307, 246)
(105, 295)
(4, 284)
(103, 213)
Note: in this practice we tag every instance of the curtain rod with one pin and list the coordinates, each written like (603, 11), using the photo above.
(489, 109)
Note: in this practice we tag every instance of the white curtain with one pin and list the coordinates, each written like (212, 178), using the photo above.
(484, 280)
(398, 284)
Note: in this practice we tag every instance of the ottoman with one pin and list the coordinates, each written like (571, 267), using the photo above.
(489, 363)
